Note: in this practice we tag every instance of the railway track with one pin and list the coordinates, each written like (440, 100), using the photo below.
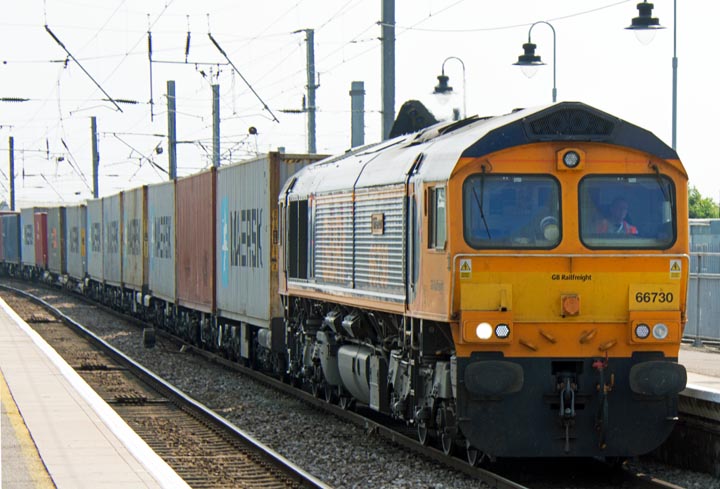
(589, 476)
(204, 449)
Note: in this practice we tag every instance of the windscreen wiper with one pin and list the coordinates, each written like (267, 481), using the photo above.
(479, 201)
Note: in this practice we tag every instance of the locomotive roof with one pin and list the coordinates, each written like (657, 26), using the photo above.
(443, 144)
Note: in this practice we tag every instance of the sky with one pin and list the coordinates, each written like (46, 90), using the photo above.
(596, 61)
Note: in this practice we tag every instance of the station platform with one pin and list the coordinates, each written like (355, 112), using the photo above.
(703, 372)
(56, 431)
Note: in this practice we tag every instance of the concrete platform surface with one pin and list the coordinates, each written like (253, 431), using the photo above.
(81, 441)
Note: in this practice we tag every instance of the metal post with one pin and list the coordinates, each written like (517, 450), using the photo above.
(357, 113)
(11, 176)
(216, 125)
(311, 86)
(95, 156)
(172, 136)
(388, 66)
(674, 78)
(698, 342)
(554, 89)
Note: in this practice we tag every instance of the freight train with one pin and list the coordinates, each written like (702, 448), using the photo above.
(511, 286)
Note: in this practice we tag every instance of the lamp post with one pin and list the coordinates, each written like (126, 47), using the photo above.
(645, 26)
(443, 89)
(529, 61)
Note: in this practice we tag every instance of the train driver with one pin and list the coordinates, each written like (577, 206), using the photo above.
(616, 221)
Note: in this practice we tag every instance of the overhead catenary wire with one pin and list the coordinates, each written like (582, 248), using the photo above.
(222, 51)
(59, 42)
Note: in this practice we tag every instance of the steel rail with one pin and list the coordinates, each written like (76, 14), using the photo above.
(147, 376)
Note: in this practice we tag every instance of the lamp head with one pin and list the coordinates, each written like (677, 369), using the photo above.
(529, 61)
(442, 87)
(645, 25)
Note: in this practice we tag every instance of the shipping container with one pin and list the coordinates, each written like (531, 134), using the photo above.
(195, 266)
(2, 247)
(27, 229)
(11, 237)
(41, 244)
(161, 231)
(94, 237)
(247, 234)
(75, 241)
(134, 238)
(112, 239)
(56, 240)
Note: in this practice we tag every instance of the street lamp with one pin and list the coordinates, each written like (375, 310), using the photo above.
(647, 24)
(444, 91)
(529, 61)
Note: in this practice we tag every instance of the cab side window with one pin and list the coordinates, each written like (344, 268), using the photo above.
(437, 218)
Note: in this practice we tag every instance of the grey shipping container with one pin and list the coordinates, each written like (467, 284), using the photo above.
(112, 239)
(11, 238)
(27, 233)
(247, 233)
(161, 237)
(195, 212)
(134, 238)
(56, 240)
(75, 241)
(94, 237)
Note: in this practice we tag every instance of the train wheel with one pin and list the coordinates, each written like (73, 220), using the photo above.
(331, 394)
(423, 433)
(446, 429)
(317, 389)
(474, 456)
(346, 402)
(447, 443)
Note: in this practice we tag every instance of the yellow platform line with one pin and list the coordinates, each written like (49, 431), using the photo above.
(33, 462)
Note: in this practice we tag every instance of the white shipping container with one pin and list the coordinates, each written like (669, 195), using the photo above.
(94, 237)
(112, 239)
(75, 241)
(134, 238)
(246, 236)
(161, 237)
(27, 236)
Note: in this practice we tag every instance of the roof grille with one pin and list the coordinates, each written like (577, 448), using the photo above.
(574, 123)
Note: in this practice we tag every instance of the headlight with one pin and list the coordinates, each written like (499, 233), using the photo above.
(502, 331)
(660, 331)
(571, 159)
(484, 331)
(642, 331)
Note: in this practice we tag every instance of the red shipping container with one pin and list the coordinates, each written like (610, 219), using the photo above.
(195, 263)
(41, 249)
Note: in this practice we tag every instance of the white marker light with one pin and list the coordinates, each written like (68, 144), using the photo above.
(660, 331)
(484, 331)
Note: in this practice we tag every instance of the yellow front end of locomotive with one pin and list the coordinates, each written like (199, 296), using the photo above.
(553, 312)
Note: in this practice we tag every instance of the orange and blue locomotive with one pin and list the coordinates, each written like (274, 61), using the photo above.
(512, 286)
